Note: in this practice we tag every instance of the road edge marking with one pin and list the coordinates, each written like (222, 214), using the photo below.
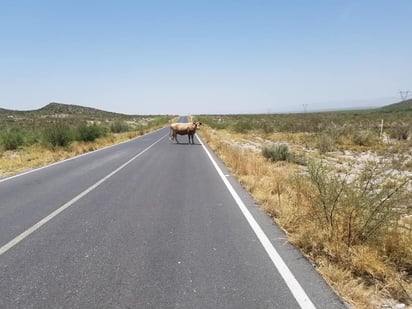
(296, 289)
(46, 219)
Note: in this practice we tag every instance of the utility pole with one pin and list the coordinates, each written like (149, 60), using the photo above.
(304, 107)
(404, 94)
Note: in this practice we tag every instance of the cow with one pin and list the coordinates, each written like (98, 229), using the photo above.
(182, 128)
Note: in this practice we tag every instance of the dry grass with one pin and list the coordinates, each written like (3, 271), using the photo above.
(12, 162)
(366, 276)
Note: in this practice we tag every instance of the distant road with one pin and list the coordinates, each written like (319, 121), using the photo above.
(146, 224)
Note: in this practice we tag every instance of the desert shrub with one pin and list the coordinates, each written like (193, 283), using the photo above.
(119, 127)
(139, 129)
(300, 159)
(153, 121)
(276, 152)
(220, 125)
(242, 126)
(213, 122)
(32, 137)
(355, 223)
(89, 133)
(326, 143)
(400, 131)
(357, 211)
(280, 152)
(267, 128)
(364, 138)
(57, 134)
(12, 139)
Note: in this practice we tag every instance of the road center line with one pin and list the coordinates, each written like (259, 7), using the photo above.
(294, 286)
(46, 219)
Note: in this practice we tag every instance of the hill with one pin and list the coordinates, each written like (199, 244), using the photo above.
(59, 108)
(54, 108)
(68, 113)
(407, 104)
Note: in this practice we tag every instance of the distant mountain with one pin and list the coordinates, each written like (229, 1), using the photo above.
(67, 113)
(407, 104)
(65, 109)
(60, 108)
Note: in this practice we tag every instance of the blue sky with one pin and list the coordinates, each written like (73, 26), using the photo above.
(204, 57)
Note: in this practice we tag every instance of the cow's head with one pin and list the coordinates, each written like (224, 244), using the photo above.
(196, 124)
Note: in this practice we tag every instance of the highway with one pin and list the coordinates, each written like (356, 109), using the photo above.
(146, 224)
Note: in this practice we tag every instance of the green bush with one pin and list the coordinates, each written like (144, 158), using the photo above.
(242, 126)
(267, 128)
(280, 152)
(89, 133)
(364, 138)
(57, 135)
(119, 127)
(158, 121)
(277, 152)
(12, 139)
(360, 210)
(140, 129)
(220, 125)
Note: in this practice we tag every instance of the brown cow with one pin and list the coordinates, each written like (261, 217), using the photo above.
(181, 128)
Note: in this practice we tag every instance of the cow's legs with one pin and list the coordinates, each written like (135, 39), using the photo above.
(173, 135)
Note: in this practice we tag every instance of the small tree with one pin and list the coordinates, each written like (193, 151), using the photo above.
(12, 139)
(119, 126)
(360, 210)
(57, 135)
(89, 133)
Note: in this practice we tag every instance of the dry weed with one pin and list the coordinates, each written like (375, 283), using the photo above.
(362, 275)
(350, 288)
(12, 162)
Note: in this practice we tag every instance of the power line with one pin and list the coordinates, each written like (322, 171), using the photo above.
(404, 94)
(305, 107)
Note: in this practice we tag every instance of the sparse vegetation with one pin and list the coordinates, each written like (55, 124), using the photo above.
(328, 131)
(352, 218)
(89, 133)
(119, 127)
(277, 152)
(401, 131)
(326, 143)
(356, 211)
(34, 138)
(58, 134)
(280, 152)
(12, 139)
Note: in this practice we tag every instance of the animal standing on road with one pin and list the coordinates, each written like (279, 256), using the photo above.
(181, 128)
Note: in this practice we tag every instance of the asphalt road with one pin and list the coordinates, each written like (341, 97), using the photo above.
(146, 224)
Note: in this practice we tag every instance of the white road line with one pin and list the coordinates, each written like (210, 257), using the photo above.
(46, 219)
(294, 286)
